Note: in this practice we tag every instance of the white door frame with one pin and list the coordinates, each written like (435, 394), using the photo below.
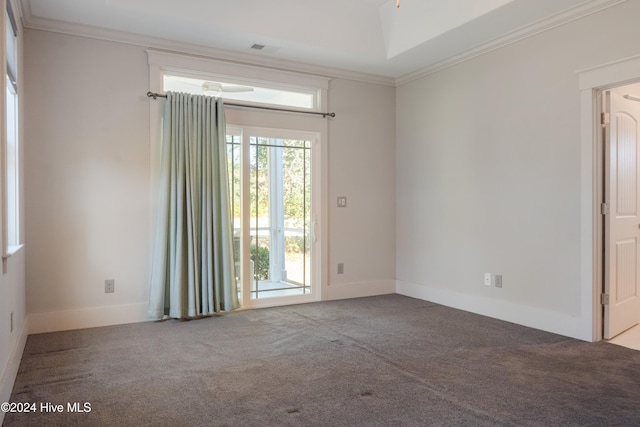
(591, 82)
(317, 206)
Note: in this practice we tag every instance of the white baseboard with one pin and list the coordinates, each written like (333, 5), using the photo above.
(533, 317)
(360, 289)
(11, 370)
(87, 318)
(133, 313)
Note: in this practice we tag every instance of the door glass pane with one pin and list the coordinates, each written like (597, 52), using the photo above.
(234, 170)
(280, 197)
(260, 223)
(296, 179)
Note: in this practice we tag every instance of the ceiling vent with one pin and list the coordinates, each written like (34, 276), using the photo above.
(257, 46)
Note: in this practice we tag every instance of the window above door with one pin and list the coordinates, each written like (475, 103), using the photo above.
(247, 91)
(238, 83)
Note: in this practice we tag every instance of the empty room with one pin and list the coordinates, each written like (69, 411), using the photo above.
(302, 212)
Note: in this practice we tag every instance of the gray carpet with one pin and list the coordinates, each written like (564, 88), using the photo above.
(381, 361)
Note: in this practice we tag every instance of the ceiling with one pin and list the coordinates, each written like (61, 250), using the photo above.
(359, 36)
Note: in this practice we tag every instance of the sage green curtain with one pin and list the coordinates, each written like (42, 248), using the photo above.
(193, 271)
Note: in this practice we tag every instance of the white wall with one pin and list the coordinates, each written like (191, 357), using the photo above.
(88, 183)
(361, 167)
(488, 175)
(12, 281)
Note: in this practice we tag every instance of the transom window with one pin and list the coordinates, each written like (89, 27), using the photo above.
(249, 92)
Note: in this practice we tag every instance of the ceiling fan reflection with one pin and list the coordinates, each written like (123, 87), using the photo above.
(214, 88)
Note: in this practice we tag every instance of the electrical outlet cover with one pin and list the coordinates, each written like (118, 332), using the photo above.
(498, 280)
(487, 279)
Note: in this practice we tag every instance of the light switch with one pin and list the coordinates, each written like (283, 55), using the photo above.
(342, 202)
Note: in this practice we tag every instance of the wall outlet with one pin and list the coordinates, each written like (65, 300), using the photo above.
(340, 268)
(487, 279)
(342, 202)
(109, 286)
(498, 280)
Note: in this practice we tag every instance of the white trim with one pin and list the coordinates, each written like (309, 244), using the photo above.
(87, 318)
(360, 289)
(522, 33)
(592, 80)
(281, 301)
(561, 18)
(8, 378)
(198, 65)
(11, 251)
(610, 74)
(532, 317)
(591, 230)
(3, 142)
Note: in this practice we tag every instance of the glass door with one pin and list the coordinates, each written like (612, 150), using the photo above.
(271, 182)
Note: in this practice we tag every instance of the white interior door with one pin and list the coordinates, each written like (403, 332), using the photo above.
(622, 223)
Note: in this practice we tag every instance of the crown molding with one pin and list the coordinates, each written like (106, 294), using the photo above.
(35, 23)
(556, 20)
(561, 18)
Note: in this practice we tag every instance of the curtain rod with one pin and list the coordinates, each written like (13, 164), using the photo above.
(159, 95)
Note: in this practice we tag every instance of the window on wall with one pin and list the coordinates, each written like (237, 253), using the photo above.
(249, 92)
(11, 193)
(13, 238)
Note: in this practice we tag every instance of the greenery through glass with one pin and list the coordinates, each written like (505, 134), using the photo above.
(279, 209)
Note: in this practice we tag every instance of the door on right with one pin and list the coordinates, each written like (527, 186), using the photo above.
(622, 222)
